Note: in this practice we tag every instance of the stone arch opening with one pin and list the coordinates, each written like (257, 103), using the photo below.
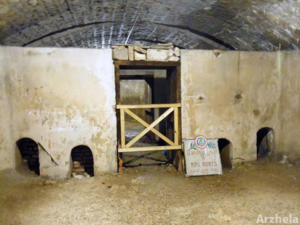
(82, 161)
(264, 142)
(30, 154)
(225, 149)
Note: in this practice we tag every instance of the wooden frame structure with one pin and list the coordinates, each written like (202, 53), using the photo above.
(126, 109)
(172, 145)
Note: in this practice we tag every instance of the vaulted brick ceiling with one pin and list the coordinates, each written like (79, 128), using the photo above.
(203, 24)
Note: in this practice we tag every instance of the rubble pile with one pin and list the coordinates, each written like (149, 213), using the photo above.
(136, 52)
(78, 170)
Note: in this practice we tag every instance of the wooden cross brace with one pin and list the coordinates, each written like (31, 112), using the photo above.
(149, 127)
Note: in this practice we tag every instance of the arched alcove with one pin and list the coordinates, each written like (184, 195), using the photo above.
(82, 160)
(225, 148)
(30, 153)
(264, 142)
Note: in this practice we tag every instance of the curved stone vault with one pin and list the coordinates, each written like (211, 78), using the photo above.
(202, 24)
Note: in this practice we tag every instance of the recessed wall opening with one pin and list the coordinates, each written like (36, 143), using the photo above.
(264, 142)
(82, 160)
(139, 83)
(30, 154)
(225, 148)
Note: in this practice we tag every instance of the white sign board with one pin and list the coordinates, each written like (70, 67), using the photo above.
(204, 161)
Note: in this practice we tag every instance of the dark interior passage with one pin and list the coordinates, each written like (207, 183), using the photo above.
(225, 148)
(84, 156)
(143, 85)
(30, 154)
(264, 142)
(140, 85)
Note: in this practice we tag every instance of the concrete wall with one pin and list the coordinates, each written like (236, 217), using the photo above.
(233, 94)
(7, 155)
(60, 98)
(289, 139)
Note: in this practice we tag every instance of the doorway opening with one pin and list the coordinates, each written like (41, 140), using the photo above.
(30, 154)
(264, 142)
(225, 149)
(148, 99)
(83, 161)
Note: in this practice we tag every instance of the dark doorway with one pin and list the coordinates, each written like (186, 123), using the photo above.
(30, 154)
(225, 148)
(140, 86)
(264, 142)
(146, 83)
(82, 158)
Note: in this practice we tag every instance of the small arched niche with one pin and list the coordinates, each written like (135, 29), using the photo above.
(82, 160)
(30, 154)
(225, 148)
(264, 142)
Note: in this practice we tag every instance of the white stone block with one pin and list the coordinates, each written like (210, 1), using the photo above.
(173, 59)
(140, 49)
(130, 53)
(171, 52)
(120, 53)
(157, 55)
(177, 51)
(139, 56)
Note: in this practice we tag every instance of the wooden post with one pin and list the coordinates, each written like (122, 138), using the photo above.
(120, 163)
(122, 128)
(180, 165)
(176, 125)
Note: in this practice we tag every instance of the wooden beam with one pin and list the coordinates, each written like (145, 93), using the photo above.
(148, 106)
(122, 128)
(176, 125)
(117, 83)
(153, 124)
(178, 90)
(145, 64)
(145, 124)
(180, 163)
(135, 77)
(120, 163)
(150, 148)
(52, 158)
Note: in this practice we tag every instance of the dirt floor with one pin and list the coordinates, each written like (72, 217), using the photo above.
(153, 195)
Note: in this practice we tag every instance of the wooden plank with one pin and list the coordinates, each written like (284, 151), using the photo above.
(120, 169)
(145, 124)
(150, 148)
(151, 64)
(117, 84)
(178, 90)
(52, 158)
(176, 125)
(122, 127)
(180, 163)
(178, 82)
(136, 77)
(153, 124)
(148, 106)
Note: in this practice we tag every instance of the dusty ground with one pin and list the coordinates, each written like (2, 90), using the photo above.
(152, 195)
